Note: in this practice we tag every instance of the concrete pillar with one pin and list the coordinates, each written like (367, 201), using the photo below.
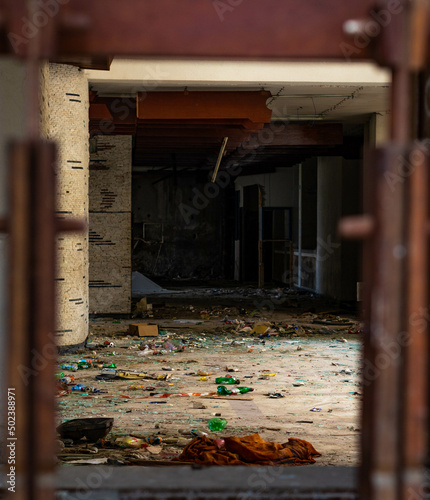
(110, 225)
(378, 130)
(329, 211)
(68, 126)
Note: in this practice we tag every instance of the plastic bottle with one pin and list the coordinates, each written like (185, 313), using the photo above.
(217, 424)
(223, 391)
(83, 364)
(59, 375)
(197, 433)
(84, 388)
(77, 387)
(68, 380)
(152, 440)
(71, 367)
(131, 442)
(227, 380)
(112, 365)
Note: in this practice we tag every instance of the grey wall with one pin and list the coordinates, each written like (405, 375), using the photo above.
(194, 227)
(339, 194)
(329, 211)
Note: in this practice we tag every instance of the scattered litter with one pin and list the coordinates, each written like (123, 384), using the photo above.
(93, 461)
(143, 330)
(198, 406)
(91, 429)
(217, 424)
(276, 395)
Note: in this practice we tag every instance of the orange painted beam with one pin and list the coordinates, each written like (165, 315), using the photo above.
(204, 105)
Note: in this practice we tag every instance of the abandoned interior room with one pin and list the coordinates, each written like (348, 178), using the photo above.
(214, 249)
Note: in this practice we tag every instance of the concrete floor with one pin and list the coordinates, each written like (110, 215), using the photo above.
(317, 368)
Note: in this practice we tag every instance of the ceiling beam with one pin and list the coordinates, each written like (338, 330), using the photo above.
(210, 105)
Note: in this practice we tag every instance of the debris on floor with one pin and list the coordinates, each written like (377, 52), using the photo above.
(259, 371)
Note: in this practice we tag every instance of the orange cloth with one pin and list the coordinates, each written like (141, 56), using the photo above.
(249, 450)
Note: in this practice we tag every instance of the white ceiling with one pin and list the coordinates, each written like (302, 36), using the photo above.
(347, 92)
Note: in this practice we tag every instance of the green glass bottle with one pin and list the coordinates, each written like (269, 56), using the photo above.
(227, 380)
(217, 424)
(223, 391)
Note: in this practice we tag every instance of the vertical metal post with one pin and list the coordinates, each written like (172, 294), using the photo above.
(31, 339)
(415, 401)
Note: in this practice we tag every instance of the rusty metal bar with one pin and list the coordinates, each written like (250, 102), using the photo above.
(19, 320)
(356, 226)
(31, 341)
(220, 155)
(382, 363)
(43, 318)
(369, 266)
(415, 413)
(195, 28)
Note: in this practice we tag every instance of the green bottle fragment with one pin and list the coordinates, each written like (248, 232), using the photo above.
(223, 391)
(227, 380)
(59, 375)
(217, 424)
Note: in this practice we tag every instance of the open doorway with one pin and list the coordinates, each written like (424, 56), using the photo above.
(296, 350)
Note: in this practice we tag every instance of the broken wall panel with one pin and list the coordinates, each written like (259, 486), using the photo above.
(110, 226)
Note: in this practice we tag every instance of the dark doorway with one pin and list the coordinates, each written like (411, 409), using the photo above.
(249, 244)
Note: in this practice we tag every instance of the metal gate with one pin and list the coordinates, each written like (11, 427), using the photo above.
(395, 34)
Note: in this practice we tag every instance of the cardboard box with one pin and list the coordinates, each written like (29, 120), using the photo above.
(144, 330)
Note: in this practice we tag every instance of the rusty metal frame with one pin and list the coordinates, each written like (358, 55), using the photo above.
(395, 416)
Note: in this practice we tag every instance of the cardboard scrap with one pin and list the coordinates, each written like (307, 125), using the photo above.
(144, 330)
